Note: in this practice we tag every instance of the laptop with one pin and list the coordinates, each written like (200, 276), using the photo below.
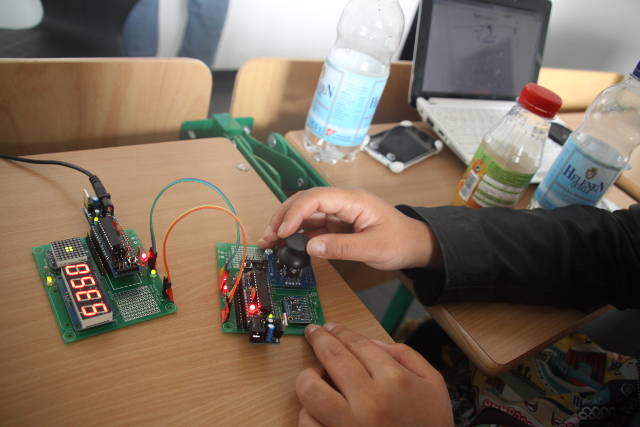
(471, 60)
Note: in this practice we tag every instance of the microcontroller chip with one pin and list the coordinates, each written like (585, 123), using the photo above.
(69, 251)
(297, 309)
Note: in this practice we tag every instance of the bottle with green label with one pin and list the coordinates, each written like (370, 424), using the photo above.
(510, 153)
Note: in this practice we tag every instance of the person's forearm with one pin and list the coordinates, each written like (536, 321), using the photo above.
(576, 256)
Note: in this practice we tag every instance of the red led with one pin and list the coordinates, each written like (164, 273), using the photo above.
(88, 295)
(94, 309)
(253, 309)
(144, 256)
(225, 289)
(79, 283)
(77, 269)
(223, 282)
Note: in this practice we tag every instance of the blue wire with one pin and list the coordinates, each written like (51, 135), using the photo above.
(200, 181)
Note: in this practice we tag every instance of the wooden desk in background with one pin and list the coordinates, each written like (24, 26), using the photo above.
(178, 369)
(494, 336)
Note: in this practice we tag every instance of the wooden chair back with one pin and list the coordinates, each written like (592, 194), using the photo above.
(577, 88)
(277, 93)
(51, 105)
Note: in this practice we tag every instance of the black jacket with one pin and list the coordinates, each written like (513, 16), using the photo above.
(577, 256)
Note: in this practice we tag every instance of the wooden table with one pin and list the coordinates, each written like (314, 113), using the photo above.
(178, 369)
(494, 336)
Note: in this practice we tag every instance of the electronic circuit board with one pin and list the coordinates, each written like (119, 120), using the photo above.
(265, 293)
(87, 298)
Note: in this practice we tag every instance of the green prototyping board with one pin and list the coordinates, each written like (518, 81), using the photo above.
(105, 302)
(265, 293)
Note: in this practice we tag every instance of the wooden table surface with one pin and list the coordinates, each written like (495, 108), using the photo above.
(494, 336)
(178, 369)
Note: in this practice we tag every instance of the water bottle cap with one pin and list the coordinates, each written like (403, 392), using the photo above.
(540, 100)
(636, 72)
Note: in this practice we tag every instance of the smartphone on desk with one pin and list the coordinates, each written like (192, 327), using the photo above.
(559, 133)
(402, 146)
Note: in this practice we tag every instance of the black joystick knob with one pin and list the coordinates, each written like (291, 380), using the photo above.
(293, 256)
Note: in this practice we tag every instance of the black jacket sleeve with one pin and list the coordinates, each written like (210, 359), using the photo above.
(574, 256)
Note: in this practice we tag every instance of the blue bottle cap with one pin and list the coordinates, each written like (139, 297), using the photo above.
(636, 72)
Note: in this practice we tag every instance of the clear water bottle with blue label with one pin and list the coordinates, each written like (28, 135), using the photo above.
(353, 78)
(598, 151)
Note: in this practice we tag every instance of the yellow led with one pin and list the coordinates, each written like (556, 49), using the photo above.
(68, 248)
(95, 219)
(153, 273)
(49, 280)
(270, 316)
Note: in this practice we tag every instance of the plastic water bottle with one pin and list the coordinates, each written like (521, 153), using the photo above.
(353, 78)
(598, 151)
(510, 153)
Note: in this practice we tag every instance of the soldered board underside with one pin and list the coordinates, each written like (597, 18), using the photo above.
(133, 298)
(297, 297)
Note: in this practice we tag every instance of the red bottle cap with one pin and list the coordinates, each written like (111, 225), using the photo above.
(540, 100)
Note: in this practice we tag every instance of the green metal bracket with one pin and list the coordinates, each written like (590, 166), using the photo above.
(279, 165)
(397, 309)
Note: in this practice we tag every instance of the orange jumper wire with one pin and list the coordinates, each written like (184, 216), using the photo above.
(244, 244)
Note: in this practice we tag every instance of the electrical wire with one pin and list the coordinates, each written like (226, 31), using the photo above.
(47, 162)
(101, 192)
(244, 243)
(199, 181)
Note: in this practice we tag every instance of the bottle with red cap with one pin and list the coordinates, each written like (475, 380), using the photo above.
(510, 153)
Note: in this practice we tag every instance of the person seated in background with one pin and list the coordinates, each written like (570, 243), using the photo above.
(201, 37)
(575, 256)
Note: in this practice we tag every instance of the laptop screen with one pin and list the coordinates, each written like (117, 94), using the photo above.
(478, 49)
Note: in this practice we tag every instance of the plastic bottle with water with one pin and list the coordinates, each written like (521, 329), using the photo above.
(597, 152)
(353, 78)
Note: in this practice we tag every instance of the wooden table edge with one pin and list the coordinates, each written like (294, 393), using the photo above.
(479, 356)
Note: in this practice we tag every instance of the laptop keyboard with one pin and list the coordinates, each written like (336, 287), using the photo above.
(465, 127)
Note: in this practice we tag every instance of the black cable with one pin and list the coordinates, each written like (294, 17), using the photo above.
(47, 162)
(98, 187)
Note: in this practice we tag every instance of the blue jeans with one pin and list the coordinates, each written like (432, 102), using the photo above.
(204, 27)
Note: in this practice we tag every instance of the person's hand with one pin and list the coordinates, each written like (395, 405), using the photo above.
(369, 383)
(354, 225)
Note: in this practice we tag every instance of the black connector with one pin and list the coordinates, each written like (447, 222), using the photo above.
(151, 259)
(102, 195)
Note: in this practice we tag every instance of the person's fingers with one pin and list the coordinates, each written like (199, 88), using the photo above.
(306, 420)
(344, 204)
(316, 220)
(269, 235)
(336, 225)
(344, 368)
(322, 401)
(316, 232)
(378, 362)
(363, 246)
(409, 358)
